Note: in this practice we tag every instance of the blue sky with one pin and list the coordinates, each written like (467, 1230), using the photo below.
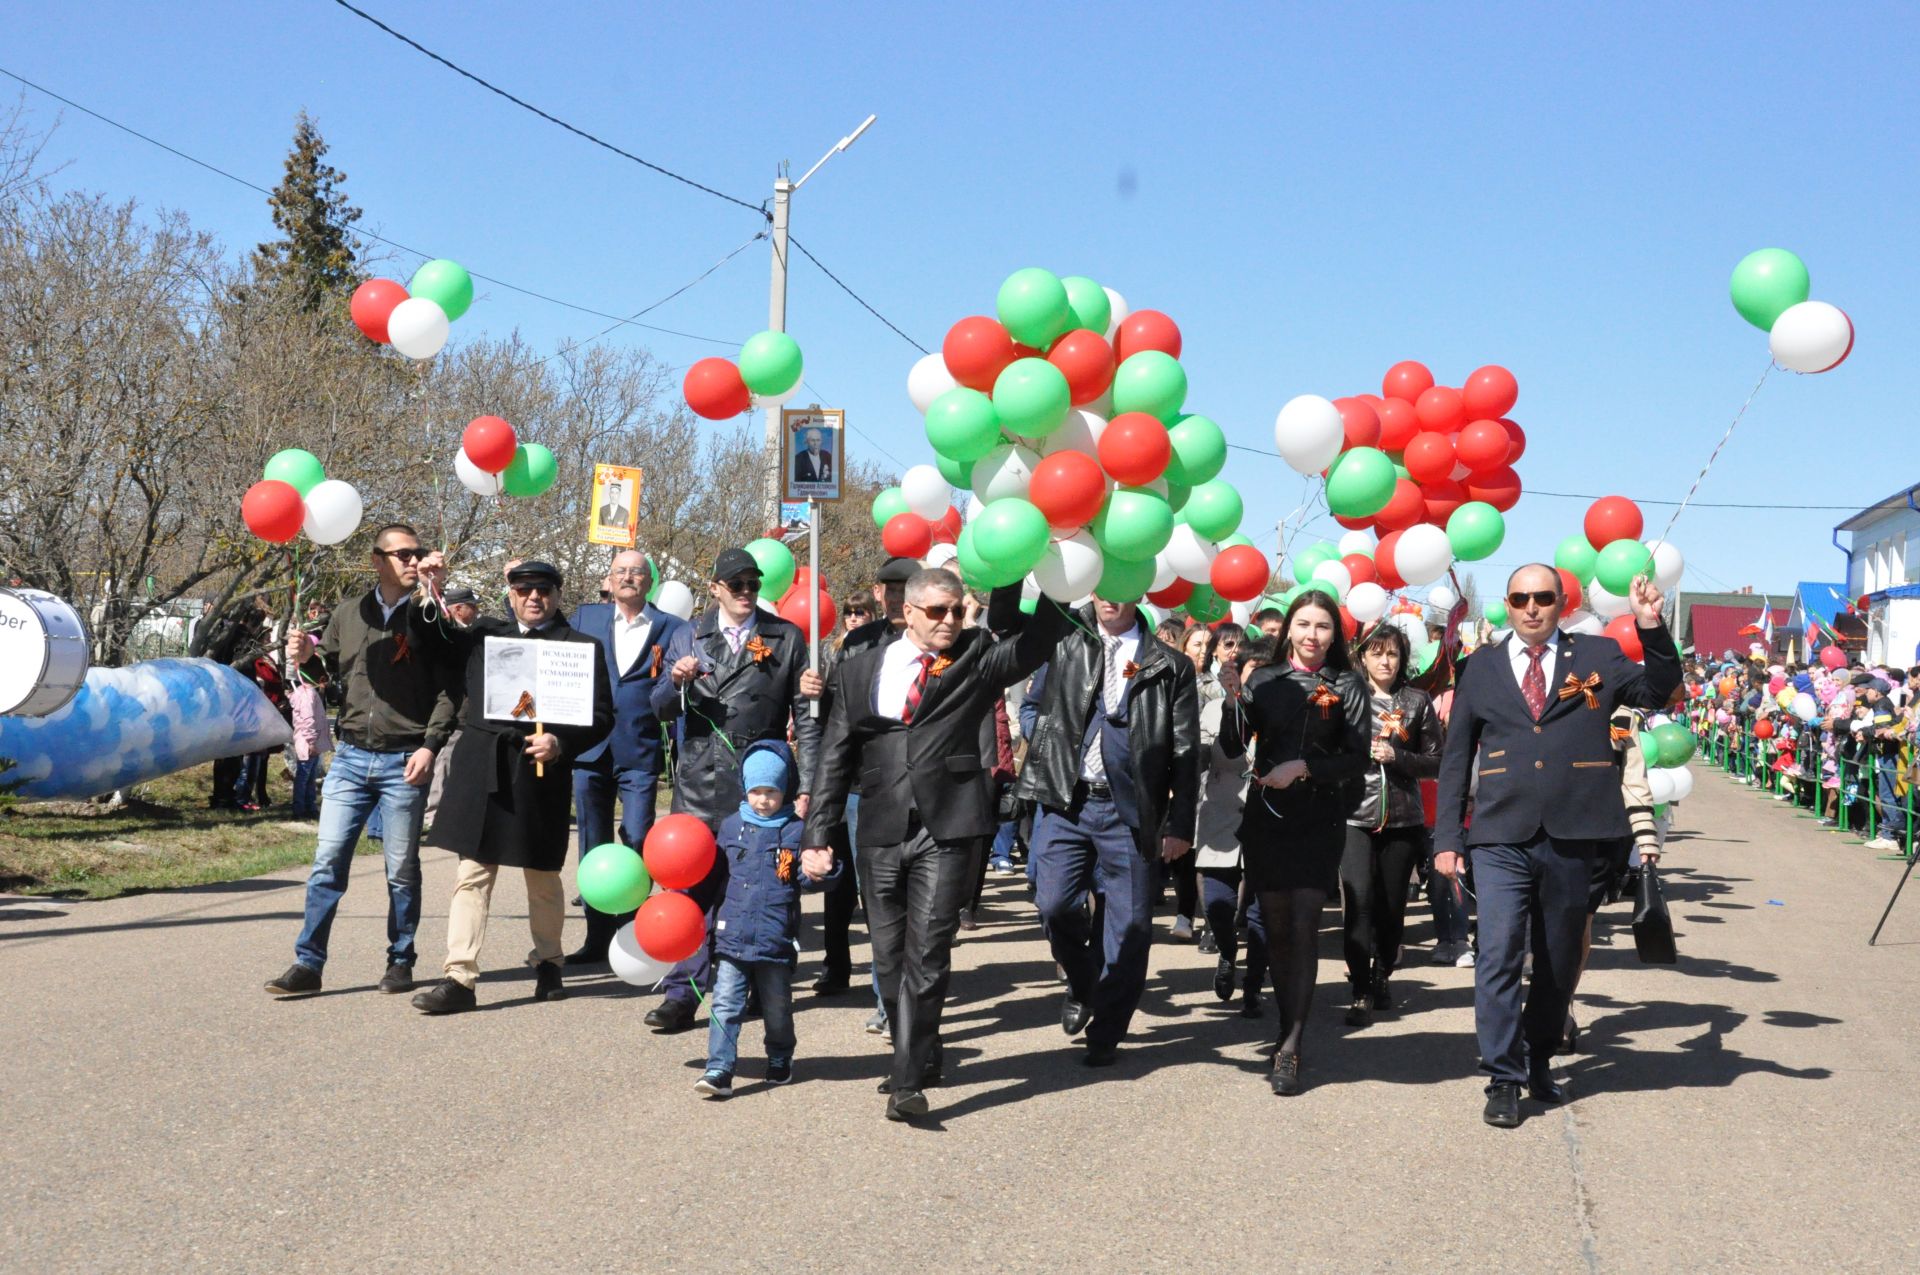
(1313, 194)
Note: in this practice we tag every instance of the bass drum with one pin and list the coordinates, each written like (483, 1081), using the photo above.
(43, 653)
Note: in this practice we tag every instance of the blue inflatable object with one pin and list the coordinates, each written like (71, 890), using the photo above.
(130, 725)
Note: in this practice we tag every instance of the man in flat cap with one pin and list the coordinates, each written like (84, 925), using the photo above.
(510, 787)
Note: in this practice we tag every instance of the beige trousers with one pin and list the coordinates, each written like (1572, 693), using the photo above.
(467, 917)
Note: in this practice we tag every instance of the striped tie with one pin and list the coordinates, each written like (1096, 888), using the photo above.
(915, 691)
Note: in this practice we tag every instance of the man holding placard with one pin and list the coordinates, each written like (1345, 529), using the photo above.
(536, 696)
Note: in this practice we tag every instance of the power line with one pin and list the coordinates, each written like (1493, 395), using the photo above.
(856, 296)
(570, 348)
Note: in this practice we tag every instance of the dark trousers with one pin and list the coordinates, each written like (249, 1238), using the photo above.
(1534, 894)
(226, 776)
(692, 979)
(1088, 848)
(913, 893)
(1220, 895)
(594, 787)
(1374, 872)
(1186, 885)
(837, 904)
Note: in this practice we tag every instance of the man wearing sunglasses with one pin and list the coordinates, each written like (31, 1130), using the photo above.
(1532, 713)
(397, 715)
(733, 680)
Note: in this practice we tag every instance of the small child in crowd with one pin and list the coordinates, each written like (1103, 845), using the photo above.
(756, 931)
(312, 740)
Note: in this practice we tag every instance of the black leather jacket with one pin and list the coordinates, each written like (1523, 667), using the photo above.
(1415, 736)
(1320, 718)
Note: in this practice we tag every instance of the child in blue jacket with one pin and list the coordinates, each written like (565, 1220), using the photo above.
(755, 935)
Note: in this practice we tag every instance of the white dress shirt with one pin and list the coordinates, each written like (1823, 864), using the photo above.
(386, 612)
(1116, 652)
(630, 638)
(1517, 657)
(899, 666)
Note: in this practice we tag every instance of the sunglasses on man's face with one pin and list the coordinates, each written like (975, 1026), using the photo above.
(526, 590)
(740, 586)
(938, 614)
(402, 555)
(1541, 598)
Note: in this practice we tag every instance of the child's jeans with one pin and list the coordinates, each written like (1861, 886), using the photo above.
(306, 787)
(774, 981)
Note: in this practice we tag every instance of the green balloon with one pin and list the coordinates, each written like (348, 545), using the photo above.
(1306, 561)
(770, 363)
(1360, 483)
(1133, 524)
(445, 283)
(1012, 533)
(973, 568)
(1199, 451)
(1619, 563)
(1767, 282)
(1291, 596)
(1496, 613)
(1660, 811)
(653, 574)
(1122, 581)
(776, 567)
(1475, 531)
(1228, 542)
(1321, 586)
(1177, 496)
(1400, 471)
(962, 424)
(1650, 747)
(1032, 397)
(1577, 556)
(613, 878)
(1091, 307)
(299, 469)
(1029, 605)
(1675, 743)
(1206, 606)
(1213, 509)
(1153, 382)
(1424, 656)
(957, 472)
(530, 472)
(889, 502)
(1033, 306)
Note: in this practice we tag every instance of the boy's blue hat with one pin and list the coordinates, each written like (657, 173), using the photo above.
(764, 768)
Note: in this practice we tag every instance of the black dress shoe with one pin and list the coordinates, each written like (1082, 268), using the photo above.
(929, 1079)
(906, 1104)
(1250, 1004)
(1223, 979)
(1570, 1038)
(1503, 1105)
(1074, 1017)
(1541, 1087)
(1358, 1014)
(1284, 1079)
(1101, 1055)
(669, 1017)
(830, 984)
(445, 997)
(1382, 998)
(299, 980)
(967, 919)
(588, 954)
(398, 978)
(546, 982)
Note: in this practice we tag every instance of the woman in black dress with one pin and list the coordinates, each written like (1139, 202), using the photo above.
(1307, 717)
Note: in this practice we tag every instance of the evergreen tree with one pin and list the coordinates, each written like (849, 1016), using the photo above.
(311, 211)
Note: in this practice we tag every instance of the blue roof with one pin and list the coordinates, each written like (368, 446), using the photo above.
(1825, 600)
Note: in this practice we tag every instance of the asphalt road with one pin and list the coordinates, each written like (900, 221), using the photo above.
(1753, 1108)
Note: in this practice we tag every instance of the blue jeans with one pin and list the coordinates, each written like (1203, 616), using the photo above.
(774, 981)
(1088, 848)
(1003, 843)
(1893, 820)
(306, 787)
(594, 787)
(359, 783)
(1451, 918)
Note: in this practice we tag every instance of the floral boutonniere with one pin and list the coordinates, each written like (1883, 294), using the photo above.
(1323, 698)
(941, 664)
(757, 649)
(1575, 687)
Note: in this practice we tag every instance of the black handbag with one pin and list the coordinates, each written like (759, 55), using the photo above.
(1652, 924)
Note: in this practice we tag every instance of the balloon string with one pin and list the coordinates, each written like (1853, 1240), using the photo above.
(1751, 395)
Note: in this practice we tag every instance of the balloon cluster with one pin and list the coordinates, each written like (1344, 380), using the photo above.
(668, 927)
(1597, 567)
(766, 375)
(1667, 746)
(1065, 417)
(416, 319)
(492, 460)
(293, 495)
(1770, 289)
(788, 585)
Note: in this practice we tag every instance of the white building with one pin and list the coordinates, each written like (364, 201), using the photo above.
(1883, 565)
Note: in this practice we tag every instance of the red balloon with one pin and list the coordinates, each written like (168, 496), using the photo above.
(802, 577)
(1490, 392)
(1625, 630)
(977, 350)
(1383, 562)
(1398, 424)
(372, 306)
(1134, 449)
(1145, 330)
(1498, 487)
(1429, 457)
(1570, 586)
(1483, 444)
(1763, 729)
(1406, 507)
(907, 535)
(1354, 524)
(946, 528)
(714, 389)
(1441, 499)
(794, 607)
(1613, 518)
(1440, 409)
(1349, 627)
(1068, 487)
(489, 443)
(1833, 657)
(1360, 568)
(678, 851)
(1086, 360)
(1406, 381)
(1240, 573)
(1361, 421)
(1175, 594)
(1517, 437)
(273, 510)
(670, 927)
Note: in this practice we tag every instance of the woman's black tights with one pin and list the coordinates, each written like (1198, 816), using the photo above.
(1293, 948)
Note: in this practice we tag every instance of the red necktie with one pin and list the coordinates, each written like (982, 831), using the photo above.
(1534, 685)
(919, 688)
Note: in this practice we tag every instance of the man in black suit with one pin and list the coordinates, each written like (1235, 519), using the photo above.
(614, 510)
(813, 465)
(1533, 712)
(905, 716)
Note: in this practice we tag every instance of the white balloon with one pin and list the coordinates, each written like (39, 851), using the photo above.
(1423, 554)
(1357, 542)
(475, 479)
(1309, 434)
(1240, 612)
(1191, 556)
(676, 600)
(971, 507)
(1102, 406)
(939, 556)
(1682, 784)
(1163, 573)
(1366, 601)
(1660, 784)
(1669, 564)
(1080, 433)
(1158, 486)
(1810, 337)
(1004, 471)
(333, 512)
(1414, 626)
(926, 491)
(1582, 621)
(631, 964)
(1337, 575)
(1070, 567)
(928, 380)
(1120, 311)
(1605, 603)
(766, 604)
(1442, 597)
(418, 327)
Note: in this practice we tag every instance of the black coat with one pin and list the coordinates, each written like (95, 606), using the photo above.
(496, 808)
(1416, 740)
(1163, 732)
(932, 768)
(1282, 718)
